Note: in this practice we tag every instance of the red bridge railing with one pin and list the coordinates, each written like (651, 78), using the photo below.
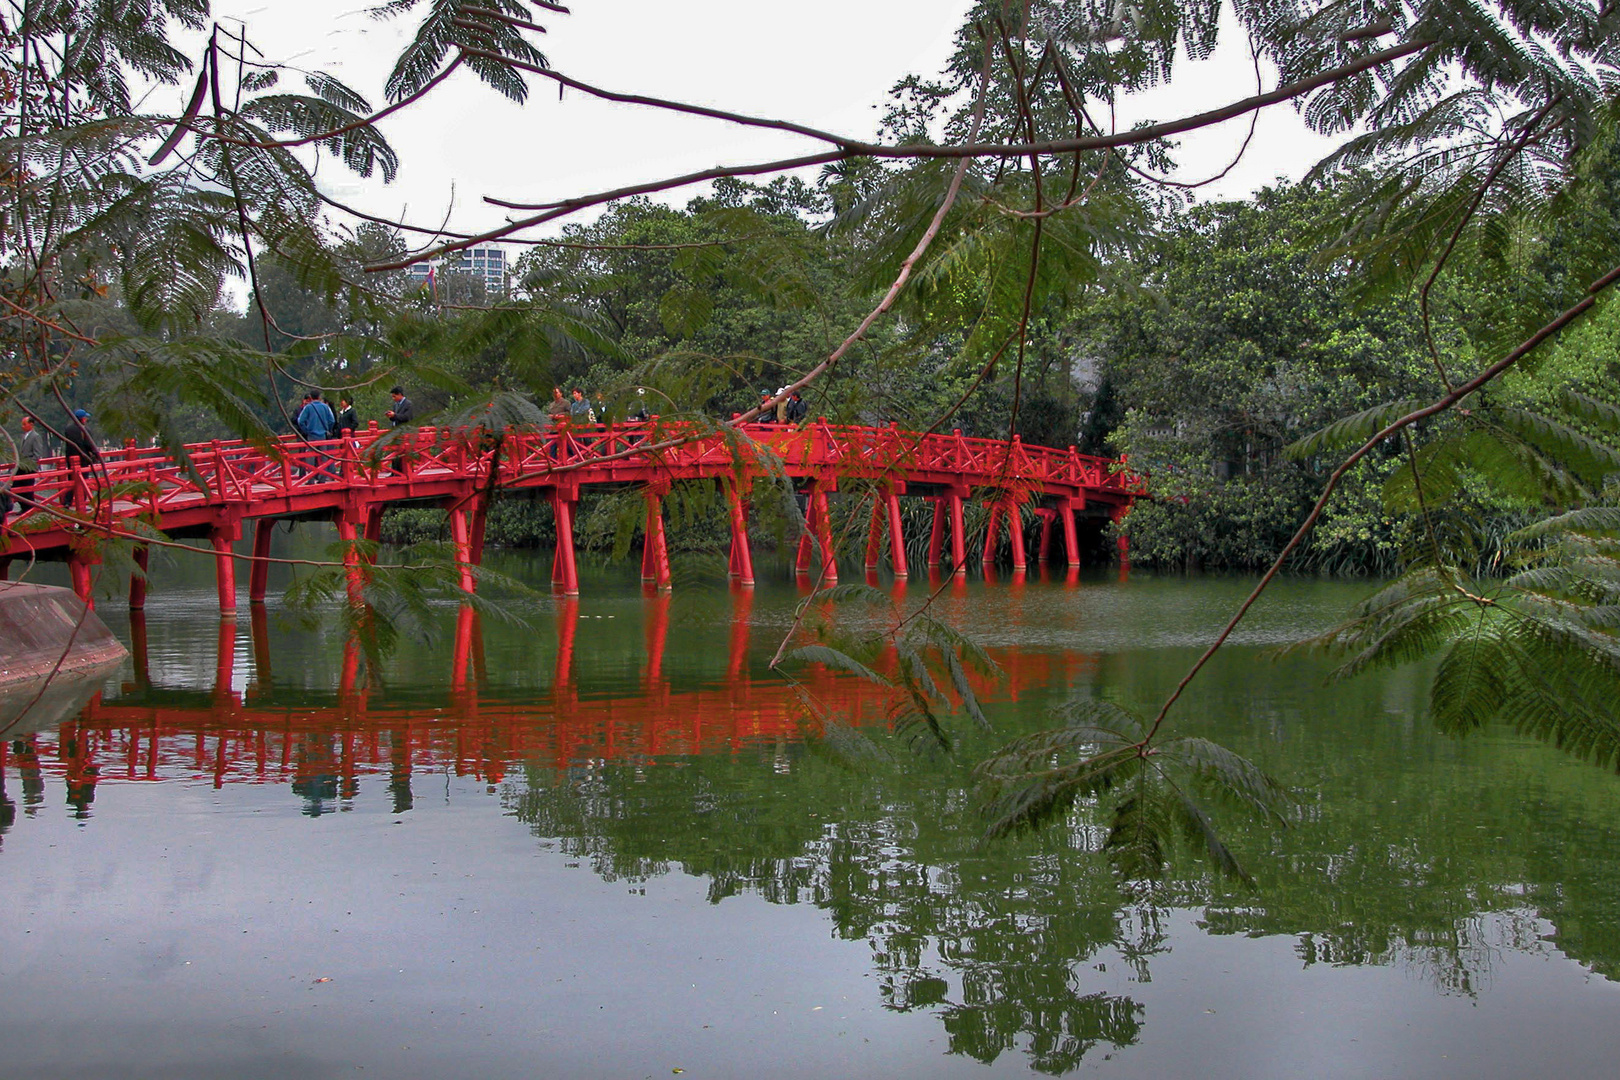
(68, 508)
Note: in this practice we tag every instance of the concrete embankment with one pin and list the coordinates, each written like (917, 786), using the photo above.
(45, 629)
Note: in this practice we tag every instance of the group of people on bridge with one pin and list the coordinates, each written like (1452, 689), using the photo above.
(316, 422)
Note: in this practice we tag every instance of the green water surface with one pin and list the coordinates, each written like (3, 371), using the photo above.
(641, 859)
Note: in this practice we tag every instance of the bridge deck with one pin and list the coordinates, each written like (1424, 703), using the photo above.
(138, 493)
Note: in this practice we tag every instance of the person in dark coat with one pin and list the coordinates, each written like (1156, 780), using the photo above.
(401, 414)
(403, 411)
(796, 408)
(30, 451)
(347, 419)
(78, 440)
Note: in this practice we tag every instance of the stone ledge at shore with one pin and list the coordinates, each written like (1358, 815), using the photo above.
(37, 625)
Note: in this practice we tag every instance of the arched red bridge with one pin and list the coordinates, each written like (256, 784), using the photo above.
(351, 480)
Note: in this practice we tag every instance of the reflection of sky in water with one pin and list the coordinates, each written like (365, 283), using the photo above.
(766, 908)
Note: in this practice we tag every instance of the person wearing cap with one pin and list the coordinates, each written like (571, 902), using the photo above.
(78, 440)
(766, 413)
(781, 405)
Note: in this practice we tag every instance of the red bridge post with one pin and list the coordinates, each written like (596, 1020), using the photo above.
(742, 559)
(992, 534)
(1043, 552)
(874, 532)
(1123, 542)
(818, 533)
(461, 537)
(886, 516)
(897, 536)
(1071, 539)
(958, 533)
(259, 571)
(936, 533)
(1015, 531)
(79, 569)
(221, 536)
(564, 570)
(348, 532)
(137, 580)
(655, 546)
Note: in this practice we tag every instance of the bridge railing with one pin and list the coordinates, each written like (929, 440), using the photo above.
(131, 481)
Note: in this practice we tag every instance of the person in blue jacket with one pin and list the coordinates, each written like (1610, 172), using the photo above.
(315, 420)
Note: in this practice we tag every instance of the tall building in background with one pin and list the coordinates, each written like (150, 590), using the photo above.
(486, 262)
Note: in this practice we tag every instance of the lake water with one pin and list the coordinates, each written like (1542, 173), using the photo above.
(612, 844)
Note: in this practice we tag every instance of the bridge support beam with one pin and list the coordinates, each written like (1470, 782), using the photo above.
(374, 515)
(259, 571)
(874, 532)
(897, 536)
(1071, 538)
(992, 535)
(79, 570)
(1123, 541)
(221, 537)
(936, 533)
(886, 516)
(742, 558)
(1015, 532)
(461, 658)
(655, 545)
(1043, 551)
(461, 537)
(958, 533)
(137, 580)
(564, 569)
(818, 534)
(348, 530)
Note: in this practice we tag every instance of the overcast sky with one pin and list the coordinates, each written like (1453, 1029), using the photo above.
(830, 65)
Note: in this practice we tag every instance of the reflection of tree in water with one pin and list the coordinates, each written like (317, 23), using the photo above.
(1410, 851)
(993, 941)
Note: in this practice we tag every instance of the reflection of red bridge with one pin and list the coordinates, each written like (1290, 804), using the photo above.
(351, 482)
(227, 737)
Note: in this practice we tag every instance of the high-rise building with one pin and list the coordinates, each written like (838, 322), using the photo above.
(483, 261)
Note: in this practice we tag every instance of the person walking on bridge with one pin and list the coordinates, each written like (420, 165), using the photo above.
(317, 424)
(33, 448)
(79, 442)
(347, 419)
(315, 420)
(403, 411)
(401, 414)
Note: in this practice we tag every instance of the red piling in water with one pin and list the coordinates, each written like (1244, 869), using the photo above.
(655, 546)
(259, 572)
(742, 558)
(137, 580)
(564, 570)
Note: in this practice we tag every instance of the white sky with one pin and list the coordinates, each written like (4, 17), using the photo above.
(829, 65)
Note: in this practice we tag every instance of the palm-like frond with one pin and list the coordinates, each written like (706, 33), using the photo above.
(445, 26)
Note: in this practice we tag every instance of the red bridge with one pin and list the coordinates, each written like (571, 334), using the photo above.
(71, 509)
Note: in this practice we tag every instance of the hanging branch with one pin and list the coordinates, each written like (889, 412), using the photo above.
(850, 149)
